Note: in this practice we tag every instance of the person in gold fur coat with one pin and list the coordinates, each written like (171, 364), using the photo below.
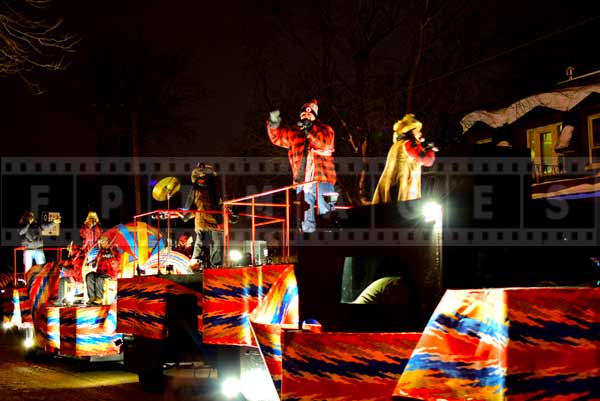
(401, 177)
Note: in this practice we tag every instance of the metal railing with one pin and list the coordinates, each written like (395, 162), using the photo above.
(252, 202)
(544, 172)
(21, 275)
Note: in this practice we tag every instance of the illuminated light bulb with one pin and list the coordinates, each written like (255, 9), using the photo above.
(235, 255)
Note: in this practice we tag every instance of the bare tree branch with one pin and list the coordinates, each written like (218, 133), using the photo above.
(28, 43)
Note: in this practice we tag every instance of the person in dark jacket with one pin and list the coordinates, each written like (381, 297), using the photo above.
(30, 232)
(205, 205)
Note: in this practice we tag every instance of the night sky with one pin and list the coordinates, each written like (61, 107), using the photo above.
(134, 38)
(520, 47)
(188, 70)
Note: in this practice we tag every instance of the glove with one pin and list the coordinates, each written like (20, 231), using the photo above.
(275, 118)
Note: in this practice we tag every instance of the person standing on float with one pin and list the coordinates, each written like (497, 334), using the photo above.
(310, 146)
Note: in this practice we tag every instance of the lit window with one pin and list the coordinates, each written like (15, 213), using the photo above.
(542, 142)
(593, 123)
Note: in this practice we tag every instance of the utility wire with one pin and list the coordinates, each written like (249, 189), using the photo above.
(522, 45)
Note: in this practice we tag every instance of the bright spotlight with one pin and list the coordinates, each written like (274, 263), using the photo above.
(235, 255)
(432, 212)
(7, 325)
(28, 343)
(257, 385)
(231, 387)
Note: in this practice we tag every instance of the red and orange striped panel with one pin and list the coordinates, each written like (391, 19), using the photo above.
(230, 295)
(88, 331)
(508, 344)
(278, 310)
(343, 366)
(42, 284)
(47, 330)
(16, 307)
(142, 305)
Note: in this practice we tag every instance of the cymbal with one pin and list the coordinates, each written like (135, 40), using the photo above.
(166, 188)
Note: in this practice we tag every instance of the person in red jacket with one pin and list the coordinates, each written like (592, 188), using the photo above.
(106, 266)
(401, 176)
(310, 146)
(70, 272)
(90, 232)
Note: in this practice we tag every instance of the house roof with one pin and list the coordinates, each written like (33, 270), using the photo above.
(563, 99)
(587, 186)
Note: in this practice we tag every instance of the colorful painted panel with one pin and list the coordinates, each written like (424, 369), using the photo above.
(343, 366)
(137, 238)
(16, 308)
(508, 344)
(142, 305)
(88, 331)
(554, 345)
(47, 332)
(7, 303)
(19, 304)
(42, 285)
(167, 257)
(277, 311)
(230, 295)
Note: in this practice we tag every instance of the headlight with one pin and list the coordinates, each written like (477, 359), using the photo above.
(432, 212)
(231, 387)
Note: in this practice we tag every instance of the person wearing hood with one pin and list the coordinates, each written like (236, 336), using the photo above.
(204, 204)
(90, 232)
(30, 232)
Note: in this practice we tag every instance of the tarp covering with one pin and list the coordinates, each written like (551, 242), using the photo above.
(42, 285)
(230, 295)
(16, 309)
(20, 305)
(277, 311)
(89, 331)
(560, 99)
(343, 366)
(76, 331)
(142, 305)
(309, 365)
(508, 344)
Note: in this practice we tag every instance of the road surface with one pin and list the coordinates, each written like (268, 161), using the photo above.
(62, 379)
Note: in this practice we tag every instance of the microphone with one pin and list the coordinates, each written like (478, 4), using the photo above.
(431, 146)
(304, 124)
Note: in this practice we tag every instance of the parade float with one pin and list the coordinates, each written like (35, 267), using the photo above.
(495, 273)
(295, 330)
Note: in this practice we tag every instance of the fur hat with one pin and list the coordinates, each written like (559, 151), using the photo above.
(313, 106)
(408, 123)
(92, 216)
(202, 170)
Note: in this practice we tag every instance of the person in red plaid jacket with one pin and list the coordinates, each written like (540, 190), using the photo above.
(310, 153)
(107, 268)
